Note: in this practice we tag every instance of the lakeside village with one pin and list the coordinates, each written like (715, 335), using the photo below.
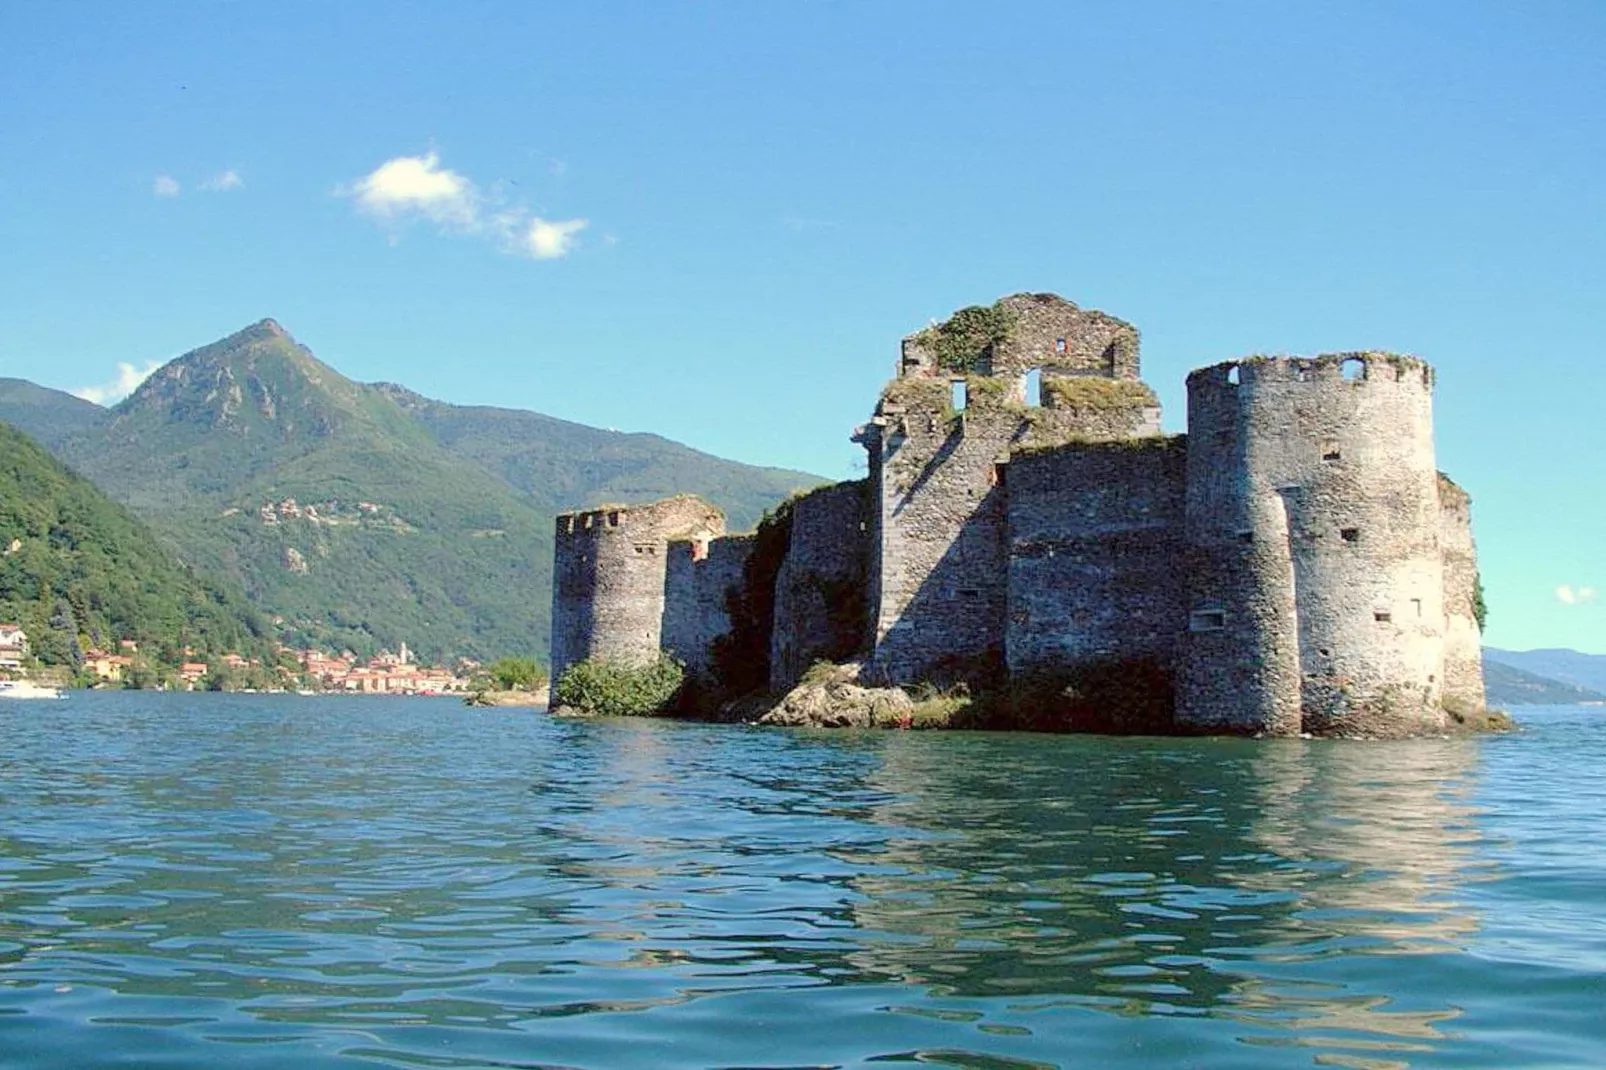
(306, 671)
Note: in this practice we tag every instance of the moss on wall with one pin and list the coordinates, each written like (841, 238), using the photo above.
(1097, 394)
(963, 340)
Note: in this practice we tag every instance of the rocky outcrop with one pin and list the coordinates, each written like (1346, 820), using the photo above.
(835, 699)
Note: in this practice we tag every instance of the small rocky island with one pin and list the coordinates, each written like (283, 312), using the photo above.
(1030, 550)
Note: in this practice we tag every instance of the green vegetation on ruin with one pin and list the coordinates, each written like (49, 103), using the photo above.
(1092, 393)
(962, 341)
(609, 689)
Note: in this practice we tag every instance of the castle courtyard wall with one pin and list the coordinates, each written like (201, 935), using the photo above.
(820, 588)
(1095, 535)
(700, 578)
(1463, 643)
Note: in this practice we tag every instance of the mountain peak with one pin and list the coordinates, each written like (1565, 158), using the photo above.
(261, 331)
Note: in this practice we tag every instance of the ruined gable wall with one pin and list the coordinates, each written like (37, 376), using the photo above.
(1314, 531)
(1095, 546)
(820, 588)
(939, 563)
(609, 569)
(1463, 644)
(1093, 342)
(699, 580)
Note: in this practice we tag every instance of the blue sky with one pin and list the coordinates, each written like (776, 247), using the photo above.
(714, 221)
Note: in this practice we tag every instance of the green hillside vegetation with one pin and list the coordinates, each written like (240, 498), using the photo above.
(76, 569)
(429, 523)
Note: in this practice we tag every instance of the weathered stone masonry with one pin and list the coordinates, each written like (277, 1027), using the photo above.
(1295, 563)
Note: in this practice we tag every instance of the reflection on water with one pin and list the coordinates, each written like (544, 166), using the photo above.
(229, 882)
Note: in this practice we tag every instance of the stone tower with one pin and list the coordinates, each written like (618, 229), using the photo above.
(1315, 557)
(939, 448)
(609, 569)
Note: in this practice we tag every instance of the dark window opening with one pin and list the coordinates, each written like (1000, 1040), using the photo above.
(1382, 616)
(1207, 620)
(970, 592)
(1000, 473)
(1330, 455)
(613, 520)
(1246, 536)
(1353, 369)
(1350, 534)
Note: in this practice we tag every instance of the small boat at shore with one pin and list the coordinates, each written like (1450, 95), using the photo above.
(27, 689)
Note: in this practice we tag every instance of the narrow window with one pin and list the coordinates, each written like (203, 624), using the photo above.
(1417, 604)
(613, 520)
(1033, 387)
(1382, 616)
(957, 395)
(1330, 455)
(1353, 369)
(1246, 536)
(1207, 620)
(1000, 472)
(1059, 345)
(1350, 534)
(1232, 375)
(970, 592)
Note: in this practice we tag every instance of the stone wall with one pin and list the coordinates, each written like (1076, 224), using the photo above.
(609, 569)
(1313, 529)
(939, 540)
(1046, 331)
(939, 559)
(1463, 643)
(820, 589)
(1095, 537)
(699, 582)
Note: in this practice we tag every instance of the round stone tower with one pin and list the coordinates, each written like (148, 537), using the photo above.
(1313, 523)
(609, 566)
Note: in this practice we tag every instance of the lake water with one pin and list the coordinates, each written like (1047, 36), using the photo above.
(267, 881)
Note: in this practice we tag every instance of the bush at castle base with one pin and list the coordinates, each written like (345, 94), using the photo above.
(613, 690)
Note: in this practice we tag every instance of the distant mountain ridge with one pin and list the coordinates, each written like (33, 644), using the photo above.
(366, 515)
(1587, 671)
(47, 416)
(1507, 685)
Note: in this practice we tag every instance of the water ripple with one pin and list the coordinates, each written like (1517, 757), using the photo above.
(204, 881)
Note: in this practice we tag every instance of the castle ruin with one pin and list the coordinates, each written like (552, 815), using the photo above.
(1294, 563)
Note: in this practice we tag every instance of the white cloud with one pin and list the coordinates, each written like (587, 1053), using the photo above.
(165, 186)
(1575, 596)
(128, 378)
(224, 182)
(411, 186)
(407, 189)
(550, 239)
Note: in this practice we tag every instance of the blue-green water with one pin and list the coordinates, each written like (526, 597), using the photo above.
(255, 881)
